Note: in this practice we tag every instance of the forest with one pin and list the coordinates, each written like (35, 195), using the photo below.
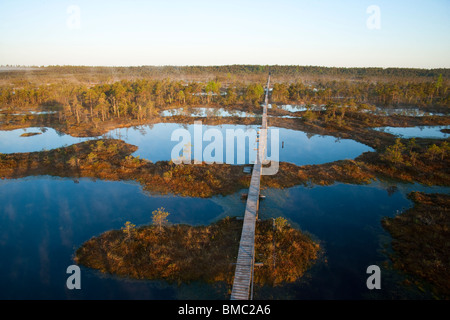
(142, 98)
(275, 70)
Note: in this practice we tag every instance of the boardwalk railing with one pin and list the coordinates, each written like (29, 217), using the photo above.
(243, 276)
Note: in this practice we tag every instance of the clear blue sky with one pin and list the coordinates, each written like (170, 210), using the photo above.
(182, 32)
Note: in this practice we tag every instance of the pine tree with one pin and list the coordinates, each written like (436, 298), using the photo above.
(159, 217)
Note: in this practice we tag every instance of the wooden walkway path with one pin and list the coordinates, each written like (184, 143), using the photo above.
(243, 282)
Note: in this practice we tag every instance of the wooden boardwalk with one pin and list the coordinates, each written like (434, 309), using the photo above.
(243, 282)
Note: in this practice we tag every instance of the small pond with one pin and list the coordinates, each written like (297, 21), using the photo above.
(417, 132)
(155, 143)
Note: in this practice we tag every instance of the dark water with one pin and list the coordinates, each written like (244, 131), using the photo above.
(345, 219)
(44, 219)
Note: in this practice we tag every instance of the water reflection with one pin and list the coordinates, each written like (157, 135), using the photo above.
(406, 111)
(203, 112)
(346, 220)
(294, 146)
(417, 132)
(155, 144)
(12, 141)
(409, 112)
(43, 220)
(301, 107)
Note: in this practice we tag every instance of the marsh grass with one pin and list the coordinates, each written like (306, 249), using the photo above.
(421, 241)
(182, 253)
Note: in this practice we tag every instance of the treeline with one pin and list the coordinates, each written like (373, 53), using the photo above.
(141, 99)
(138, 99)
(433, 92)
(276, 70)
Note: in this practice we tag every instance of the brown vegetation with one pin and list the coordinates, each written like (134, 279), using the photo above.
(424, 162)
(110, 159)
(133, 102)
(30, 134)
(100, 99)
(183, 253)
(421, 241)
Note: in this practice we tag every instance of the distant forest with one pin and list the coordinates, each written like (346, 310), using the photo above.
(275, 70)
(97, 94)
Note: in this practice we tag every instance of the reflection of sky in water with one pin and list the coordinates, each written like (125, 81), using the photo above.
(301, 107)
(294, 146)
(346, 219)
(154, 143)
(410, 112)
(11, 141)
(293, 108)
(206, 112)
(34, 113)
(43, 220)
(417, 132)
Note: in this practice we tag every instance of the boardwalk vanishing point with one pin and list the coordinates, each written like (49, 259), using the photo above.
(243, 276)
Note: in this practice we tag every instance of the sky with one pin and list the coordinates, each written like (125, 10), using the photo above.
(346, 33)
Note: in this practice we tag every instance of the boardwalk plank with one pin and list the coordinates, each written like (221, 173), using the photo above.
(245, 259)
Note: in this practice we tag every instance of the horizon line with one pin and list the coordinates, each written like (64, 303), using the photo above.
(213, 65)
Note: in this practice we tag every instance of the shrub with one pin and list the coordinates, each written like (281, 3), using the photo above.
(159, 217)
(393, 153)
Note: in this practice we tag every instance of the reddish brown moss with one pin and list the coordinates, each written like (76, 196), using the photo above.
(421, 240)
(184, 253)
